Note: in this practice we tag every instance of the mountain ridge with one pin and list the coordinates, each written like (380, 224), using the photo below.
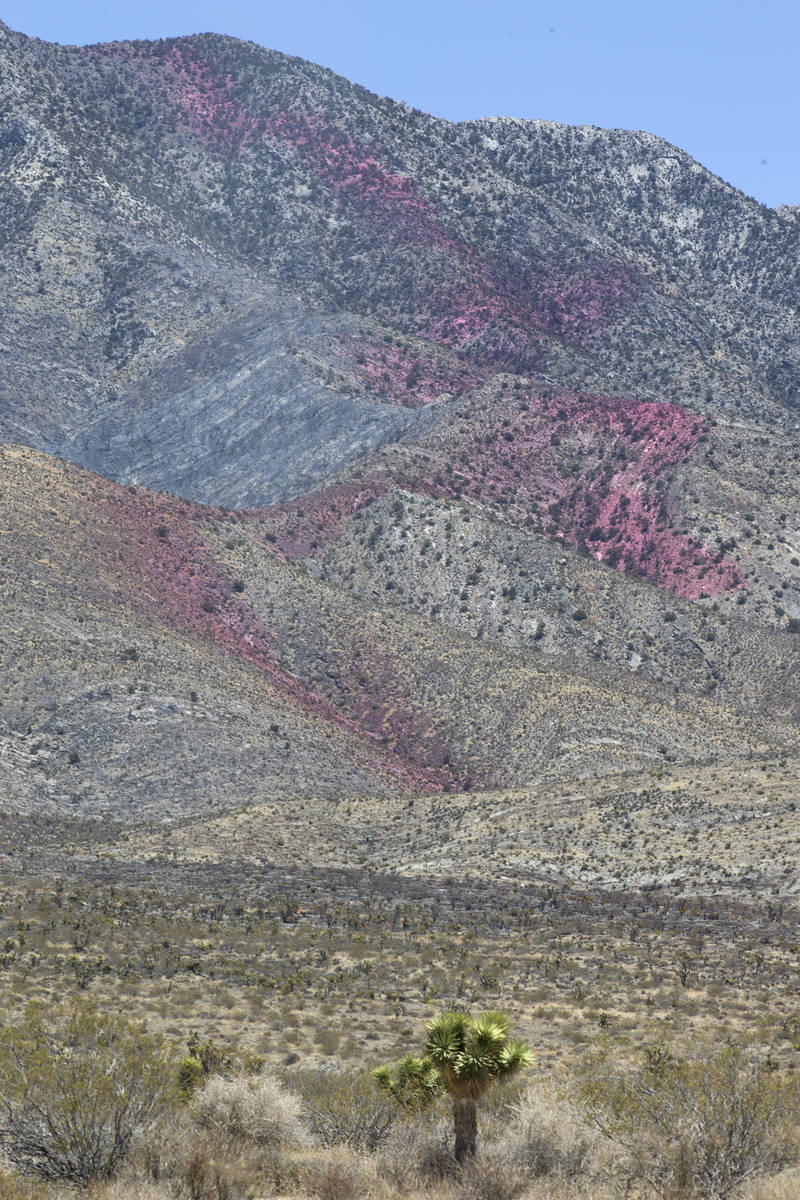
(482, 437)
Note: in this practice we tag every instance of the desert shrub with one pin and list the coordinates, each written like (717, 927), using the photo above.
(329, 1040)
(190, 1075)
(491, 1178)
(421, 1156)
(695, 1126)
(345, 1110)
(255, 1109)
(547, 1136)
(336, 1179)
(498, 1108)
(211, 1169)
(155, 1151)
(535, 1134)
(226, 1141)
(396, 1160)
(75, 1087)
(194, 1163)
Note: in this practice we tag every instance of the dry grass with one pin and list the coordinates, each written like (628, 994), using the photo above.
(185, 1163)
(697, 828)
(233, 930)
(785, 1186)
(269, 958)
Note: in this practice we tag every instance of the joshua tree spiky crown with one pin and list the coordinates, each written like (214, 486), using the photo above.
(463, 1055)
(414, 1081)
(470, 1053)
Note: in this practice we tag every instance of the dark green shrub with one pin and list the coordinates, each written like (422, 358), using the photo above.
(695, 1126)
(75, 1086)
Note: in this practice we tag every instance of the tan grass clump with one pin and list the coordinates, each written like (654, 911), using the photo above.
(254, 1109)
(340, 1175)
(547, 1136)
(785, 1186)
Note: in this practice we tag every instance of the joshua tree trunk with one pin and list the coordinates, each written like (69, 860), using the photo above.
(465, 1121)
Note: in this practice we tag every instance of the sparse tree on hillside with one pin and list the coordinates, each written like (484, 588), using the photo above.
(463, 1055)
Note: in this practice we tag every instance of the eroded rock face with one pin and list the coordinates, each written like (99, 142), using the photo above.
(265, 432)
(509, 411)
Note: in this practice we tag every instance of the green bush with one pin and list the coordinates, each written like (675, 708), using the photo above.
(206, 1059)
(345, 1110)
(695, 1126)
(75, 1086)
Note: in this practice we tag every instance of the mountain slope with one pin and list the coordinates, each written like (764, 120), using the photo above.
(154, 191)
(486, 436)
(160, 657)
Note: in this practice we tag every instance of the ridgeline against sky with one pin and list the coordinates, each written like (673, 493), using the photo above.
(720, 82)
(481, 440)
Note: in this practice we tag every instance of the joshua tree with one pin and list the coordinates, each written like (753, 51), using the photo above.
(463, 1055)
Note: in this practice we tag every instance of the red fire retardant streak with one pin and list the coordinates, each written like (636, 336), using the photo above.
(575, 307)
(215, 111)
(413, 380)
(354, 173)
(377, 692)
(504, 321)
(205, 95)
(603, 508)
(579, 469)
(209, 101)
(176, 578)
(368, 678)
(302, 528)
(465, 313)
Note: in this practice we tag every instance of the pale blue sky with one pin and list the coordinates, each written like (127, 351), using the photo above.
(721, 80)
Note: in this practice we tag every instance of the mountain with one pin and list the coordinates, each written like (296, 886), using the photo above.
(351, 451)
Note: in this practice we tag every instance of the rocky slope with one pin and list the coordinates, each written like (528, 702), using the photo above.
(155, 192)
(160, 658)
(486, 437)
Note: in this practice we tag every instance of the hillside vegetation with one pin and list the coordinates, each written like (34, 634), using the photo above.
(399, 617)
